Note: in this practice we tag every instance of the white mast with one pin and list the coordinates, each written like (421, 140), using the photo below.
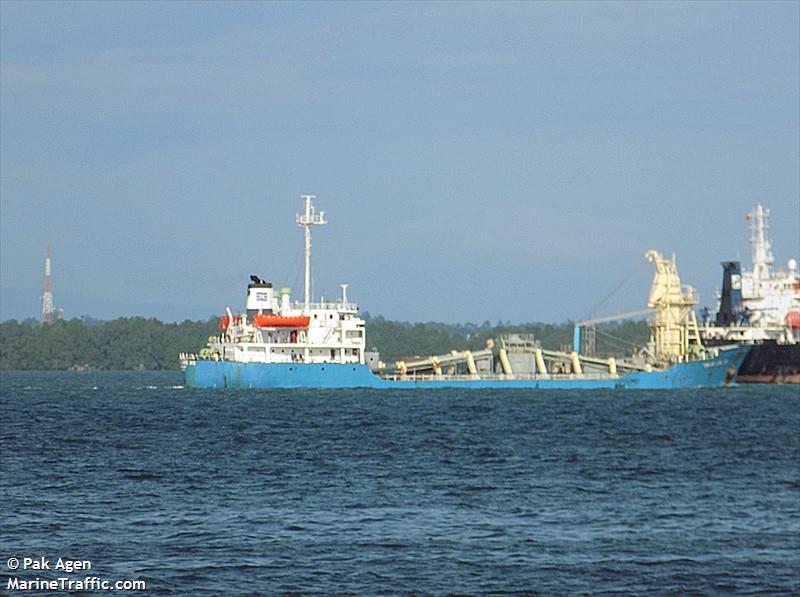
(305, 221)
(761, 244)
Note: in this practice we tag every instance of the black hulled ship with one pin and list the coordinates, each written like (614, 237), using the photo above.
(760, 307)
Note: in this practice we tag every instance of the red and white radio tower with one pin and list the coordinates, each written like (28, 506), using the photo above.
(47, 295)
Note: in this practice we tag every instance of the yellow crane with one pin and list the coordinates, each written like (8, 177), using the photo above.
(674, 334)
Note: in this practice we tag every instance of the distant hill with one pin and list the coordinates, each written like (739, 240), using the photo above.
(139, 343)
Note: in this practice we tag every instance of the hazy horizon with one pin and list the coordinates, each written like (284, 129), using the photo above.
(476, 161)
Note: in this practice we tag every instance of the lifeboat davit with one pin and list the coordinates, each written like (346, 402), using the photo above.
(224, 321)
(278, 321)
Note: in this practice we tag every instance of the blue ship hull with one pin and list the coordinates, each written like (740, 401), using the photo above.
(714, 372)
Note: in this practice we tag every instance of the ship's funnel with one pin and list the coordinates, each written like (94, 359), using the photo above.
(260, 298)
(730, 304)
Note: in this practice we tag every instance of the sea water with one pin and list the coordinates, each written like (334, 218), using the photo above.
(228, 492)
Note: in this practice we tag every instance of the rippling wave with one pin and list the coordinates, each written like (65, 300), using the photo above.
(220, 492)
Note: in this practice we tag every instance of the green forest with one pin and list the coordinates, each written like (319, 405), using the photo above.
(149, 344)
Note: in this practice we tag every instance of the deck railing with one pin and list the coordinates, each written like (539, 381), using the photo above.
(332, 305)
(497, 377)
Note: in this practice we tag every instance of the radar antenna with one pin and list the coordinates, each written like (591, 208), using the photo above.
(306, 220)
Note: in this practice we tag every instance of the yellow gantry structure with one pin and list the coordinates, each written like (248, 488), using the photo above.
(674, 336)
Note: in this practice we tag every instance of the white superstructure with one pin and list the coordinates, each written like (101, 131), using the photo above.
(276, 329)
(765, 302)
(769, 296)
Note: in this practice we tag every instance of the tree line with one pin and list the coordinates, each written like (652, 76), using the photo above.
(397, 340)
(125, 343)
(139, 343)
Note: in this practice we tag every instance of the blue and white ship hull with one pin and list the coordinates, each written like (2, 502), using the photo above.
(278, 343)
(713, 372)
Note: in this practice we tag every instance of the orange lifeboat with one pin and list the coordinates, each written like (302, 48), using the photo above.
(277, 321)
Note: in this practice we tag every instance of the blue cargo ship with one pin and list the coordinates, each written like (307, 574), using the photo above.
(278, 342)
(713, 372)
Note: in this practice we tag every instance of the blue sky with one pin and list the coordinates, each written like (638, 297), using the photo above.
(477, 161)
